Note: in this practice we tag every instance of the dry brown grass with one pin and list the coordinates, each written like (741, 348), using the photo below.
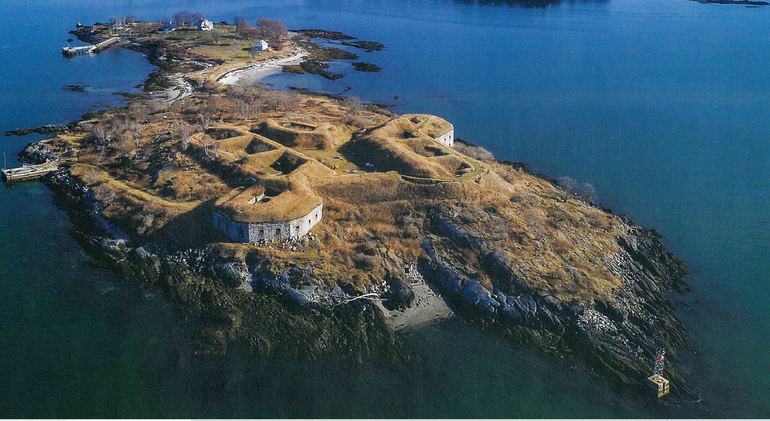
(371, 219)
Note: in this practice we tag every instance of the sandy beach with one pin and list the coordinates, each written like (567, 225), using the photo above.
(259, 71)
(428, 307)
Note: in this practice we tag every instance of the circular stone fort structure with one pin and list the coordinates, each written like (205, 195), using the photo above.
(258, 214)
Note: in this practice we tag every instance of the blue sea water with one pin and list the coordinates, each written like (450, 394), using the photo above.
(662, 105)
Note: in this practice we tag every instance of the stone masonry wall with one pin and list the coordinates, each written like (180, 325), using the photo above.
(282, 230)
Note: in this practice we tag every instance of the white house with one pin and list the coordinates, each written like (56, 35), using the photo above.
(205, 25)
(261, 45)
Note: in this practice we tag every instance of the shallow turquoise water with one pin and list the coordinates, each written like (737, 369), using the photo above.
(662, 105)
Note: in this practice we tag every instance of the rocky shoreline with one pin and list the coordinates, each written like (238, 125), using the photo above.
(616, 337)
(217, 295)
(253, 302)
(48, 129)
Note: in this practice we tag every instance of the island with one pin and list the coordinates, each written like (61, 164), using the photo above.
(316, 224)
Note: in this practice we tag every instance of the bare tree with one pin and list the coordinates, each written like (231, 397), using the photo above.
(243, 107)
(589, 192)
(184, 131)
(243, 29)
(271, 28)
(100, 133)
(353, 104)
(157, 106)
(205, 119)
(216, 36)
(474, 151)
(206, 141)
(133, 128)
(257, 108)
(105, 195)
(289, 102)
(568, 183)
(219, 105)
(115, 21)
(129, 19)
(144, 28)
(242, 89)
(196, 17)
(137, 111)
(272, 99)
(182, 17)
(124, 145)
(91, 176)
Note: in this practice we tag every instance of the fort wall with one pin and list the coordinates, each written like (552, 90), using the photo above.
(243, 232)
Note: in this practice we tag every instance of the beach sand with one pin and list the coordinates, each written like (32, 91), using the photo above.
(428, 306)
(255, 72)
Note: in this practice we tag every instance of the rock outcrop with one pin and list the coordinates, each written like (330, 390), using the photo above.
(618, 335)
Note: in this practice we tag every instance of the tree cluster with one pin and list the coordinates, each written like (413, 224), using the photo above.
(265, 28)
(121, 134)
(185, 17)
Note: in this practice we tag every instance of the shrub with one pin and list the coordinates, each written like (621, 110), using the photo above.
(472, 151)
(363, 261)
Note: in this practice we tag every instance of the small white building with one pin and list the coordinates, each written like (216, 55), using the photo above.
(205, 25)
(447, 139)
(260, 45)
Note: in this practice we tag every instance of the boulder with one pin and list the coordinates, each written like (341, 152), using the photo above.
(475, 294)
(500, 266)
(398, 293)
(234, 274)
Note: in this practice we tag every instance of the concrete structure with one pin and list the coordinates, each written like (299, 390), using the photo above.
(261, 45)
(88, 49)
(278, 231)
(28, 172)
(205, 25)
(447, 139)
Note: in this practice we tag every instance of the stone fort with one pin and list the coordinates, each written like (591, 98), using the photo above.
(281, 156)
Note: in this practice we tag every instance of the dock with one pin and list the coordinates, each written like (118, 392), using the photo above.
(28, 172)
(89, 49)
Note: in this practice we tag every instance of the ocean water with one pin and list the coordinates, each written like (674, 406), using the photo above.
(661, 105)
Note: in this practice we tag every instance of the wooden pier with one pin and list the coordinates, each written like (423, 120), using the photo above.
(88, 49)
(28, 172)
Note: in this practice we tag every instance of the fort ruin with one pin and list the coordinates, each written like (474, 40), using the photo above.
(282, 157)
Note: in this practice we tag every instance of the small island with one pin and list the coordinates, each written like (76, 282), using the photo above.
(311, 224)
